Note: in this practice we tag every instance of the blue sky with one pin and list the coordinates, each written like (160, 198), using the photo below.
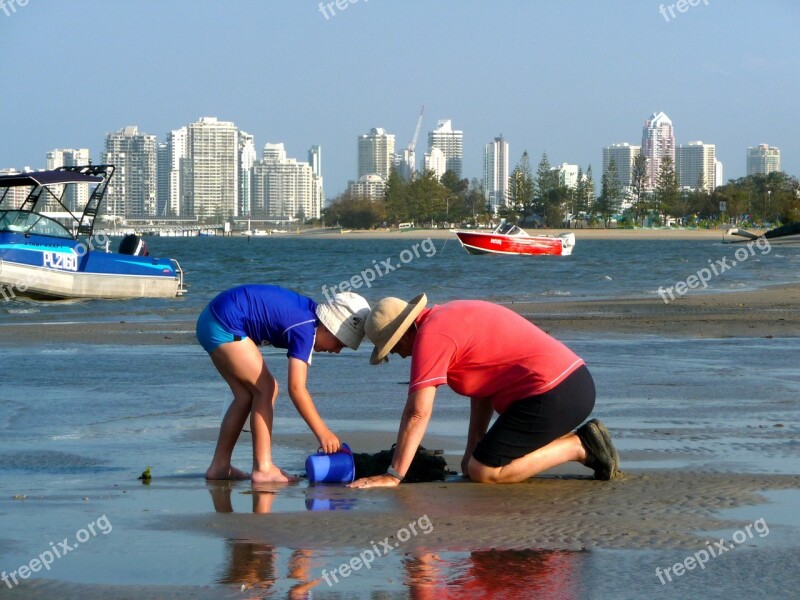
(564, 77)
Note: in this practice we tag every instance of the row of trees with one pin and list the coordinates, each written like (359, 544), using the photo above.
(426, 200)
(544, 200)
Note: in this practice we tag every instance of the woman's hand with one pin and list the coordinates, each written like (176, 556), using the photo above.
(384, 480)
(329, 442)
(465, 463)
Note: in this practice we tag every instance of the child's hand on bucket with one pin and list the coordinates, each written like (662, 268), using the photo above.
(329, 442)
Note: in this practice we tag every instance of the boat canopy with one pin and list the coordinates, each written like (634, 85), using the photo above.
(44, 178)
(45, 189)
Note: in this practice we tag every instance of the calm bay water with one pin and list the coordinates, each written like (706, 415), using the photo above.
(441, 268)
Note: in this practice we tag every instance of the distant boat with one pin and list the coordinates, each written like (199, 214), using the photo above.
(42, 258)
(511, 239)
(785, 235)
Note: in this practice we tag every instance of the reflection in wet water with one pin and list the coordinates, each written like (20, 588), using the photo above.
(255, 566)
(267, 569)
(497, 574)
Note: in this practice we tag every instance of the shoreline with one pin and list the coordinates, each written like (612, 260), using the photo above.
(773, 311)
(580, 234)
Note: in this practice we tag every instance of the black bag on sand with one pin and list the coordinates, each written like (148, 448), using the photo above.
(428, 465)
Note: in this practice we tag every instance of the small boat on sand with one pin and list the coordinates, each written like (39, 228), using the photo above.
(785, 235)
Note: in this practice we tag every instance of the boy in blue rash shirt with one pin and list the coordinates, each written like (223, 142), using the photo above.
(234, 325)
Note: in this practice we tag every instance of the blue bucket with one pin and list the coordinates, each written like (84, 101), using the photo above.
(330, 503)
(331, 468)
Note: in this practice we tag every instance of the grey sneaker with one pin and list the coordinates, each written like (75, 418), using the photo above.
(601, 456)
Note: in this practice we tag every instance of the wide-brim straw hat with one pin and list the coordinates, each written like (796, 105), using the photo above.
(389, 319)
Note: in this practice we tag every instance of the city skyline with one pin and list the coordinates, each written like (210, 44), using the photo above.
(697, 67)
(156, 178)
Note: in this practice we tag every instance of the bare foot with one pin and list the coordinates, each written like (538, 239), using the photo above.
(273, 475)
(227, 472)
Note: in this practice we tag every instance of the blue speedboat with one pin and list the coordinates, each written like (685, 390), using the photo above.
(49, 250)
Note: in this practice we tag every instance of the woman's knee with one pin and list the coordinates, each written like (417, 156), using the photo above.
(480, 473)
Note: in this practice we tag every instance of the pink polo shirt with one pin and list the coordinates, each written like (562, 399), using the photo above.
(483, 350)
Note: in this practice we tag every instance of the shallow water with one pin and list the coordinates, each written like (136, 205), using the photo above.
(78, 420)
(441, 268)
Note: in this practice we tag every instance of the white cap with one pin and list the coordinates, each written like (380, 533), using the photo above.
(344, 317)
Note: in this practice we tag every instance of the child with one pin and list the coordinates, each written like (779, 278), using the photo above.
(232, 327)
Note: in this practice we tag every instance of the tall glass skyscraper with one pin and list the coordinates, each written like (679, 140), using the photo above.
(763, 159)
(375, 153)
(451, 143)
(133, 191)
(658, 142)
(495, 172)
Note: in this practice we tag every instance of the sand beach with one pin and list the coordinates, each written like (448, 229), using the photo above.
(666, 233)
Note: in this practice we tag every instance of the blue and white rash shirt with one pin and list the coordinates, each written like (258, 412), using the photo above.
(269, 313)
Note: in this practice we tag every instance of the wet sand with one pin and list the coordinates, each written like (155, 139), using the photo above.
(564, 527)
(651, 518)
(772, 311)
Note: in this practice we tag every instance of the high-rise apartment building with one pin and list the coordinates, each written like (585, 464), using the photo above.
(283, 188)
(247, 158)
(175, 153)
(623, 154)
(495, 172)
(375, 153)
(132, 191)
(435, 161)
(567, 175)
(719, 178)
(210, 174)
(368, 186)
(695, 165)
(315, 160)
(763, 159)
(162, 184)
(15, 196)
(405, 163)
(451, 143)
(658, 142)
(75, 196)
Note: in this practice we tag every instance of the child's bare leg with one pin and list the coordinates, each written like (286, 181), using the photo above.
(225, 359)
(230, 429)
(261, 417)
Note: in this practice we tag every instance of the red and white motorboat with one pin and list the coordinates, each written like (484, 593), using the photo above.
(510, 239)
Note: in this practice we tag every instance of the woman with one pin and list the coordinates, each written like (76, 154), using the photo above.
(234, 325)
(504, 363)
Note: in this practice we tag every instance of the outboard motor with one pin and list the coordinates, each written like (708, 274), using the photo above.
(134, 245)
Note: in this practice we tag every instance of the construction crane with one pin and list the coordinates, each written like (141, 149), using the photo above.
(409, 157)
(413, 143)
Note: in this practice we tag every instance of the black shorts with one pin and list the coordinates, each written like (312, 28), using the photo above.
(531, 423)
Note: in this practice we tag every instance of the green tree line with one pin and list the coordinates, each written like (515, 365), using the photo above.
(543, 199)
